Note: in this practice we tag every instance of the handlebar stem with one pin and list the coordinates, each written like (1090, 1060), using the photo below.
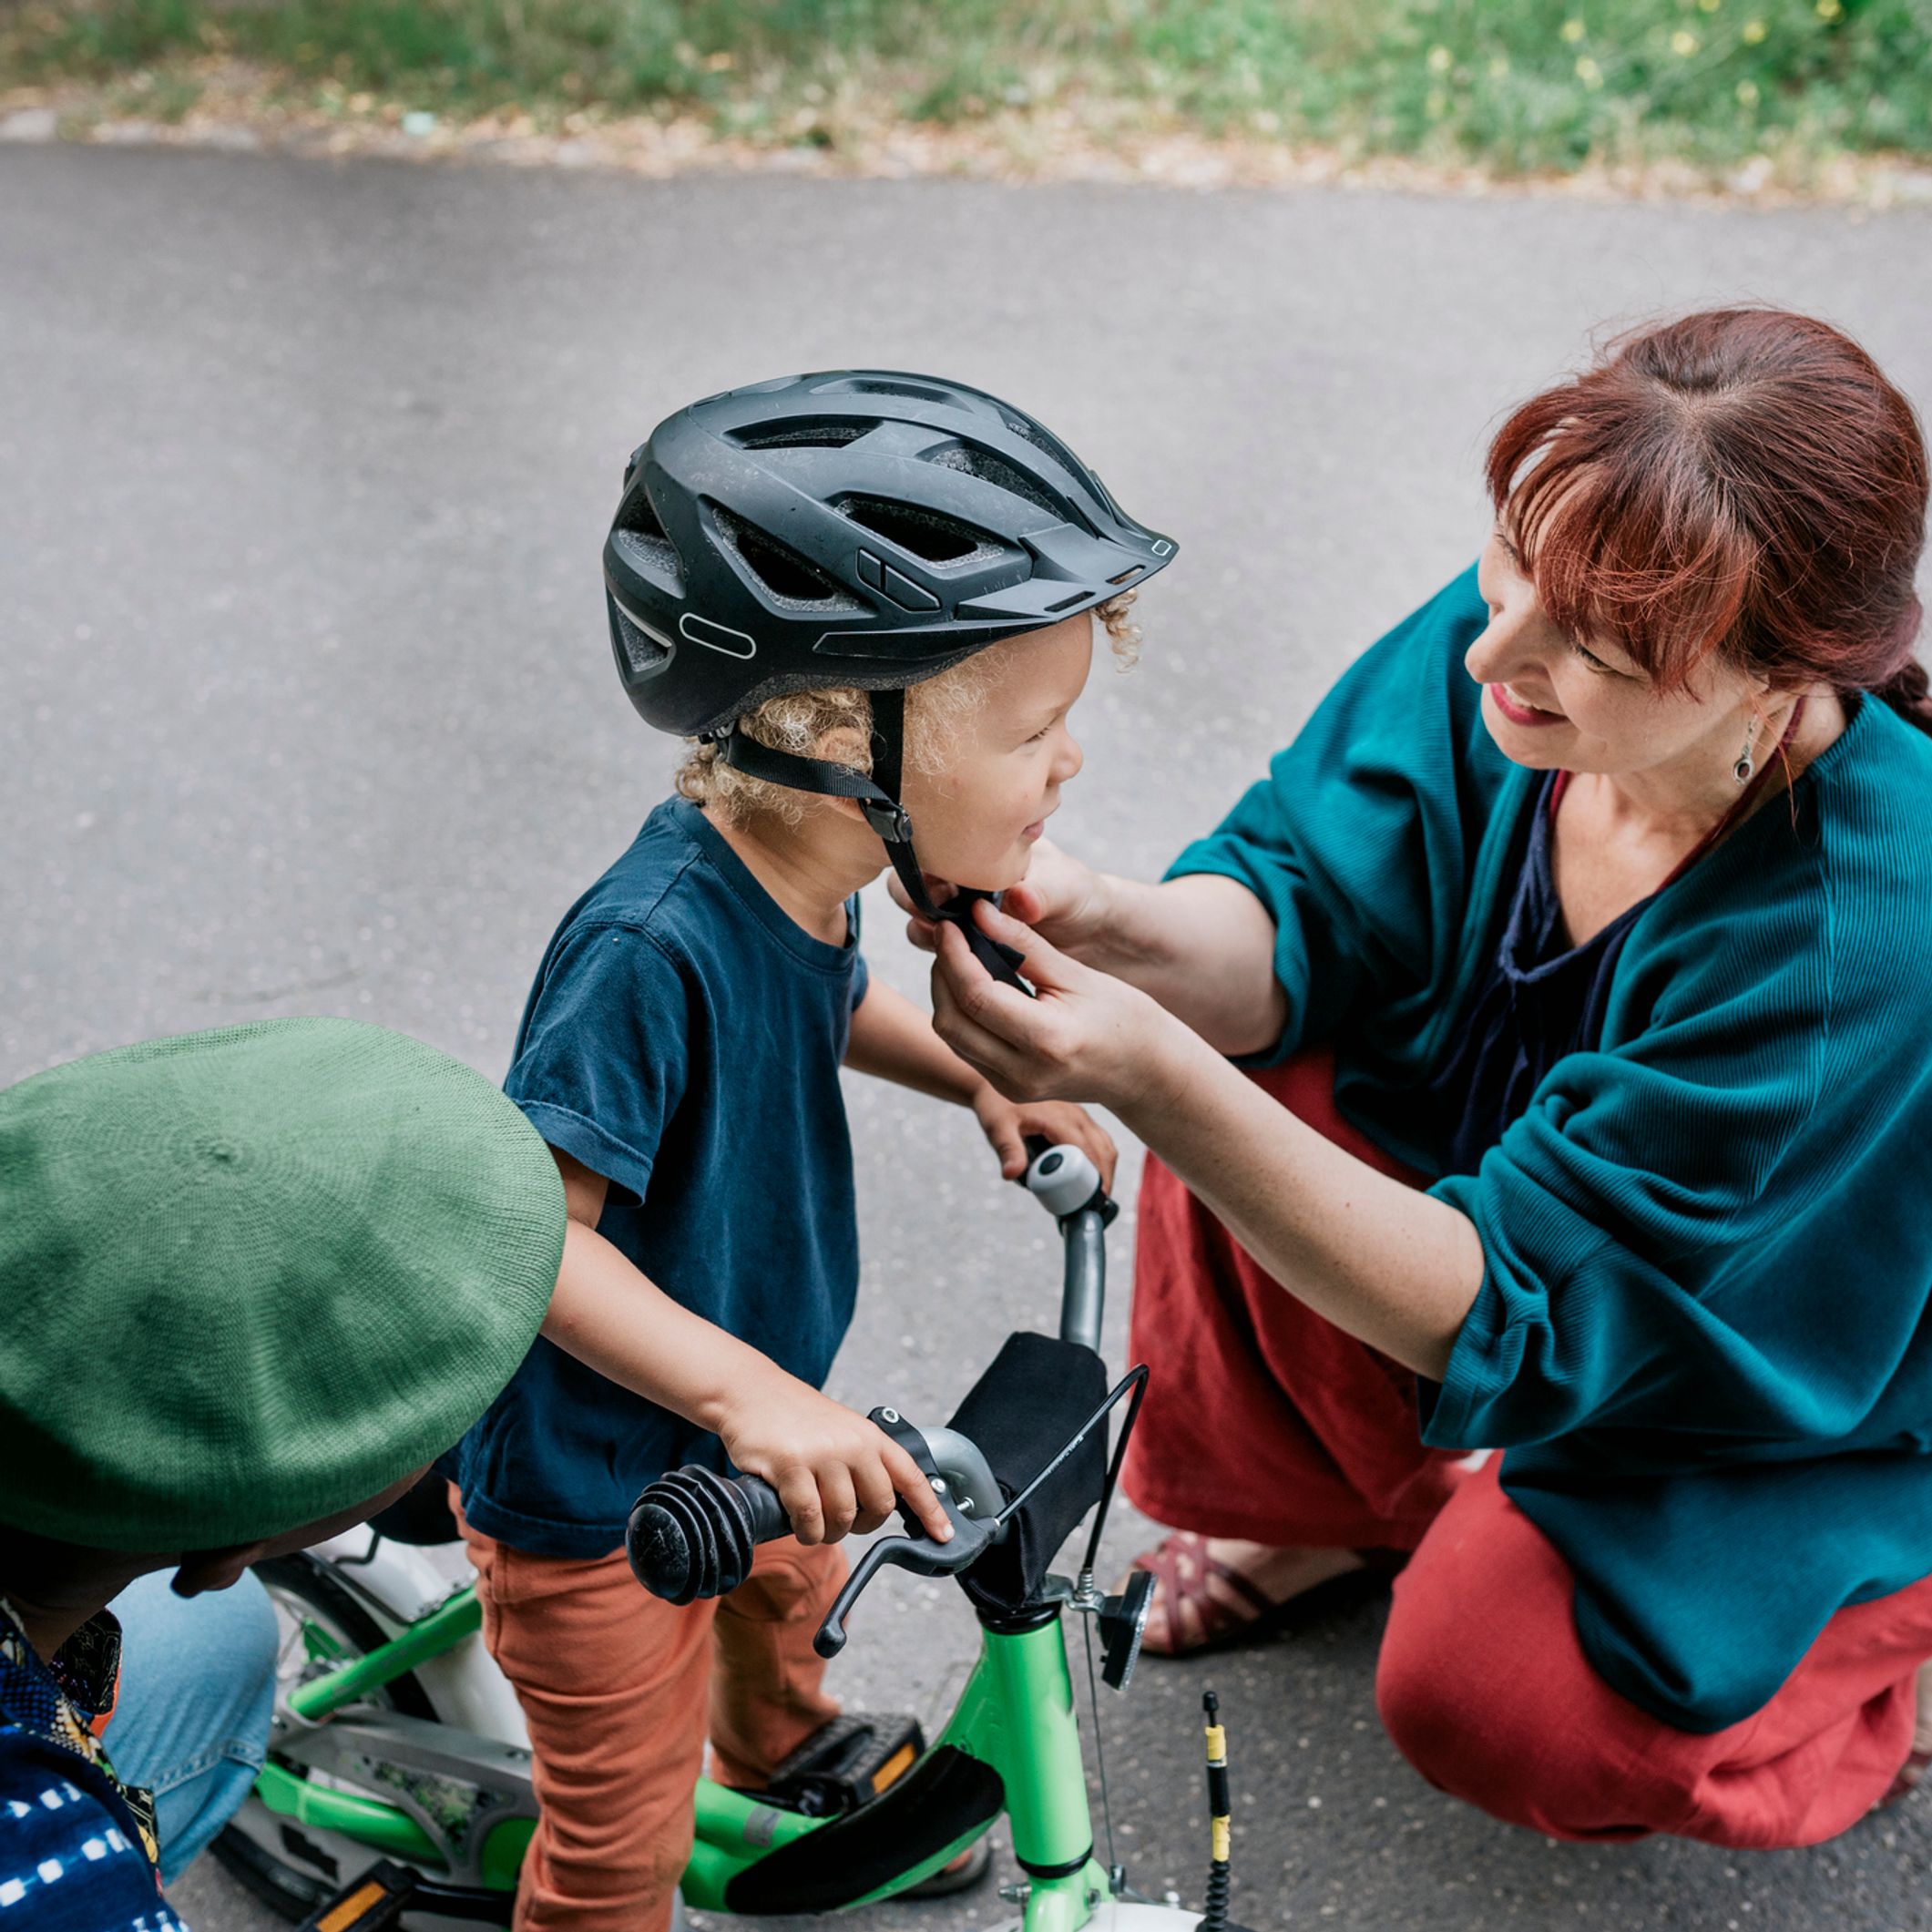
(1083, 1293)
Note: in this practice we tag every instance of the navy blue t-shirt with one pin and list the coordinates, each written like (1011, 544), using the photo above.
(683, 1040)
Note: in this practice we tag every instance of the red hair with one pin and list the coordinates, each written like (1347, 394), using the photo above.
(1742, 481)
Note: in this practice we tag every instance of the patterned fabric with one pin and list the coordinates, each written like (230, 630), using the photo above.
(78, 1849)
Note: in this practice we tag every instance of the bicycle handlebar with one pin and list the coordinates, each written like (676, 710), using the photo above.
(692, 1532)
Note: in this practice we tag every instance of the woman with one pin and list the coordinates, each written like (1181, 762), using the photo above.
(1537, 1060)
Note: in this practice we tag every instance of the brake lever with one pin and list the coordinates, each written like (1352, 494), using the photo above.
(915, 1552)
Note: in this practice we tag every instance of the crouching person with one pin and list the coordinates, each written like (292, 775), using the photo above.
(253, 1282)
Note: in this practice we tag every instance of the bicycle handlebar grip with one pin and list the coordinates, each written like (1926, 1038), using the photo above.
(692, 1532)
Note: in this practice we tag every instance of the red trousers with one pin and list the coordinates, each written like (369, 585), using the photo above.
(620, 1691)
(1264, 1421)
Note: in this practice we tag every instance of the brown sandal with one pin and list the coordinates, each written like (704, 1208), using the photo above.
(1219, 1623)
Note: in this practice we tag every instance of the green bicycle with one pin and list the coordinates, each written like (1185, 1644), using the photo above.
(382, 1740)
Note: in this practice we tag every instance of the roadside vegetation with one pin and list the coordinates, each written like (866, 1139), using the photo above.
(1514, 86)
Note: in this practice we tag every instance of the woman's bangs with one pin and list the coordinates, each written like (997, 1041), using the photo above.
(1622, 542)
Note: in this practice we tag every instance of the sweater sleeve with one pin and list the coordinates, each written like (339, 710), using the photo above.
(1355, 841)
(1642, 1222)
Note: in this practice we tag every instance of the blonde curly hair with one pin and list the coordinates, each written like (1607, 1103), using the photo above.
(802, 723)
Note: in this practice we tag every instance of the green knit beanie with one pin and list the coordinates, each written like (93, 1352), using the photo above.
(249, 1278)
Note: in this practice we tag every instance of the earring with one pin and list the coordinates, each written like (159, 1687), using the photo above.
(1746, 765)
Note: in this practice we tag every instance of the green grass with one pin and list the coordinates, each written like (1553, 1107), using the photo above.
(1518, 85)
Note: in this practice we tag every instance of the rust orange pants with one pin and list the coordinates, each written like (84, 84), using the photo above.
(1264, 1421)
(620, 1689)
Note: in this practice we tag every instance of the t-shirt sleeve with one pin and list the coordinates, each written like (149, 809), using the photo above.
(1632, 1219)
(602, 1062)
(1353, 842)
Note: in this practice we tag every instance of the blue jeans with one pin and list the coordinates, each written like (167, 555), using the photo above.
(198, 1689)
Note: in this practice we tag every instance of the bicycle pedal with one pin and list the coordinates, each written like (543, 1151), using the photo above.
(372, 1903)
(844, 1763)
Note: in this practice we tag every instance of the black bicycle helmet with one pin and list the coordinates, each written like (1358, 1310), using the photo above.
(861, 528)
(856, 528)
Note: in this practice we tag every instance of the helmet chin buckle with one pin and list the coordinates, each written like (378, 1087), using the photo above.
(888, 819)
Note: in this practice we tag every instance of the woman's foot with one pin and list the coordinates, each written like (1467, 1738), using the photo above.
(1918, 1760)
(1217, 1590)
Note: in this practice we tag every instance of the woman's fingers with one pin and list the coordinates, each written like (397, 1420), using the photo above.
(1048, 968)
(1024, 902)
(956, 1020)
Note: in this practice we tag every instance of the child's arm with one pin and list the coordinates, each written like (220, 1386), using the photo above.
(834, 1470)
(892, 1039)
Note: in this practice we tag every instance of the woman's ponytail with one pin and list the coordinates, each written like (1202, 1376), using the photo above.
(1909, 693)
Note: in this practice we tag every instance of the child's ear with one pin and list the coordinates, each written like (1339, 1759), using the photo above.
(843, 746)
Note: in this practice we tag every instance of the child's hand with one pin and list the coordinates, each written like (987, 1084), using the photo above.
(834, 1470)
(1006, 1123)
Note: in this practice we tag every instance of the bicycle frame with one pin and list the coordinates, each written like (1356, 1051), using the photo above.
(1014, 1720)
(1011, 1745)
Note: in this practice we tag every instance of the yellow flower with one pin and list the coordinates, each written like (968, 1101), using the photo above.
(1590, 73)
(1710, 6)
(1573, 31)
(1747, 93)
(1439, 59)
(1684, 43)
(1830, 9)
(1754, 31)
(1499, 67)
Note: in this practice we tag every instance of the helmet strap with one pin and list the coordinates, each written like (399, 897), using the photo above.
(877, 797)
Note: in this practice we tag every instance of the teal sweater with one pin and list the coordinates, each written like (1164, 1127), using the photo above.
(1702, 1338)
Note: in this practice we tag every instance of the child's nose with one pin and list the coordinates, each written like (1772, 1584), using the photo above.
(1068, 765)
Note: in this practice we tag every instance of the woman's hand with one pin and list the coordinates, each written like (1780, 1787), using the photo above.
(1060, 898)
(1087, 1036)
(1007, 1123)
(834, 1470)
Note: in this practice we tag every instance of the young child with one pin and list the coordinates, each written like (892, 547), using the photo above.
(785, 562)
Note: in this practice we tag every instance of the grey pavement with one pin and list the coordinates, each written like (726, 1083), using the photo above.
(305, 706)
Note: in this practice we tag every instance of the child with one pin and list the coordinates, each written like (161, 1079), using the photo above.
(785, 561)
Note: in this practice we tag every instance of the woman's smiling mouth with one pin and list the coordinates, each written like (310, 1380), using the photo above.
(1517, 712)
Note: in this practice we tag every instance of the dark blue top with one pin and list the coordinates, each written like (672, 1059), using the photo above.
(1539, 999)
(683, 1040)
(77, 1845)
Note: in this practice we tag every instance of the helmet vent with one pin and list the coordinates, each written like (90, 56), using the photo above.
(1048, 445)
(785, 577)
(881, 386)
(825, 432)
(932, 539)
(639, 538)
(1004, 476)
(643, 653)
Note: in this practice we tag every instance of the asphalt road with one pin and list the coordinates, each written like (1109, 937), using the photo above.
(305, 706)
